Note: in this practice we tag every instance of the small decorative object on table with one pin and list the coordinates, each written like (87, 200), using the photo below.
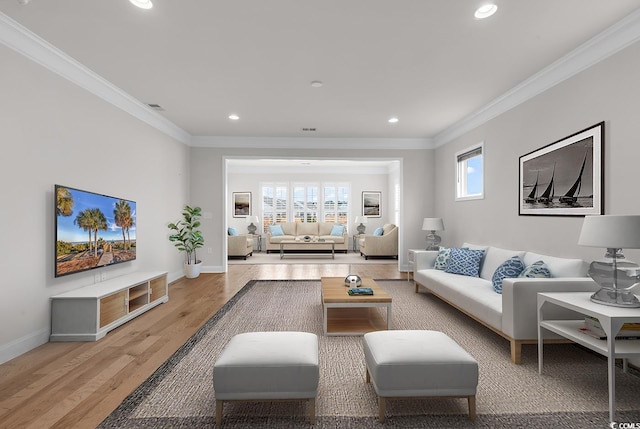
(360, 291)
(306, 238)
(353, 281)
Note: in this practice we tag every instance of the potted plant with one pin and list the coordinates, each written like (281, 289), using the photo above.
(187, 239)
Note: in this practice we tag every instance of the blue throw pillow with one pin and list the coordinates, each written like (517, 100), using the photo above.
(536, 270)
(276, 230)
(337, 230)
(510, 268)
(442, 258)
(465, 262)
(378, 231)
(233, 231)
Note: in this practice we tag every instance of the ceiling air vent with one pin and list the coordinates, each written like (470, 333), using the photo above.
(309, 129)
(156, 107)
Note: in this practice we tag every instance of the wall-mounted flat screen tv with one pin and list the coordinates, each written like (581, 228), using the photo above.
(92, 230)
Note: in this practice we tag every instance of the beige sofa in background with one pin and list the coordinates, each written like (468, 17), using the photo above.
(293, 230)
(385, 245)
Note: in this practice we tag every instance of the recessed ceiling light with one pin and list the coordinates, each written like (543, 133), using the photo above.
(485, 11)
(234, 117)
(393, 120)
(316, 84)
(142, 4)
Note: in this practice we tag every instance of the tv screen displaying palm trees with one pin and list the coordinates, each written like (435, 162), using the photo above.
(92, 230)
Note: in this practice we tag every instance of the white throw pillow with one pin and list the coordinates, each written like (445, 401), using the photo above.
(494, 257)
(559, 267)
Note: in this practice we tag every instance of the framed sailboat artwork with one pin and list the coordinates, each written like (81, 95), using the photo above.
(564, 178)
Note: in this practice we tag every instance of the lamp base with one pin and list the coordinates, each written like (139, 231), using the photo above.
(433, 241)
(361, 228)
(616, 298)
(252, 229)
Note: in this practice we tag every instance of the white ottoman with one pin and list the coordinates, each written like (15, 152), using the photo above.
(266, 366)
(419, 364)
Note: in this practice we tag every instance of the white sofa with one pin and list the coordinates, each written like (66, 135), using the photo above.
(293, 230)
(512, 314)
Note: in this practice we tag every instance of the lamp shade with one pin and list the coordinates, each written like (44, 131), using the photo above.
(361, 219)
(432, 224)
(253, 219)
(611, 231)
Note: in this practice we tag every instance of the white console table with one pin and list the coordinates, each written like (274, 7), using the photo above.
(611, 319)
(88, 313)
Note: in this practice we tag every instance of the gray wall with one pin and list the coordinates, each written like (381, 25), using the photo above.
(608, 91)
(52, 132)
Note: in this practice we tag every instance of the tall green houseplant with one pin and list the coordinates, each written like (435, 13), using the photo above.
(186, 237)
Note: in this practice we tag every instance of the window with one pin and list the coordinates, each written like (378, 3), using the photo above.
(470, 173)
(336, 203)
(275, 203)
(304, 202)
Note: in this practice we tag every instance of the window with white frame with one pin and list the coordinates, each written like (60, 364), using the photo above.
(275, 203)
(470, 173)
(336, 203)
(304, 202)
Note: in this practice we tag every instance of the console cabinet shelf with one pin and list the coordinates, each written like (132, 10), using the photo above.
(88, 313)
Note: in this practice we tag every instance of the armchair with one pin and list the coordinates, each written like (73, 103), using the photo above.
(381, 245)
(239, 246)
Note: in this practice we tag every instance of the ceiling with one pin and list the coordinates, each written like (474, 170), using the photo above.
(427, 62)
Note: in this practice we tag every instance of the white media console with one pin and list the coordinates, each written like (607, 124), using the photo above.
(88, 313)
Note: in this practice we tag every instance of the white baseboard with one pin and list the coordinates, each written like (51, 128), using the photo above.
(22, 345)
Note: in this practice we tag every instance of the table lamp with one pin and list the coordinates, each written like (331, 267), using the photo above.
(433, 224)
(361, 220)
(615, 275)
(253, 221)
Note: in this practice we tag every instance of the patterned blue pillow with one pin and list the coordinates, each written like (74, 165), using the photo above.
(465, 262)
(276, 230)
(378, 232)
(233, 231)
(510, 268)
(337, 230)
(536, 270)
(442, 258)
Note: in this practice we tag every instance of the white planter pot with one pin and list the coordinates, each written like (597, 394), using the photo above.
(191, 271)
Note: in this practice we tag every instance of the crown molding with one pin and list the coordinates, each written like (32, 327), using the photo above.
(25, 42)
(310, 143)
(617, 37)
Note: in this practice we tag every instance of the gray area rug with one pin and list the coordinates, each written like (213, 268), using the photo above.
(572, 391)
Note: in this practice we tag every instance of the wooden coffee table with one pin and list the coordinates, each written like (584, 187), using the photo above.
(353, 315)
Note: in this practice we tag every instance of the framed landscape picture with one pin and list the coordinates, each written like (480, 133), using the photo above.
(564, 178)
(371, 203)
(241, 204)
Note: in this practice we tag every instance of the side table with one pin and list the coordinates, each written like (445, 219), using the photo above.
(355, 239)
(258, 241)
(611, 319)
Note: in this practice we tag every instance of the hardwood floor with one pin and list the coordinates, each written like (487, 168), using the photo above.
(77, 385)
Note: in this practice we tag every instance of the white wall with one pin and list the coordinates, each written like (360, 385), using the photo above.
(608, 91)
(52, 132)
